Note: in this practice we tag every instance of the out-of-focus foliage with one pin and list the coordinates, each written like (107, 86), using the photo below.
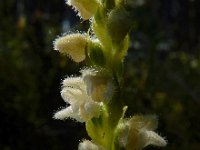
(30, 76)
(161, 76)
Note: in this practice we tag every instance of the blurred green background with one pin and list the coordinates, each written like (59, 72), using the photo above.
(162, 72)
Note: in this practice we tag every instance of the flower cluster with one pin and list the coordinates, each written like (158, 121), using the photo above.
(95, 97)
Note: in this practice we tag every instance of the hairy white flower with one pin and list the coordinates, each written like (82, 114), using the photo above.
(88, 145)
(82, 107)
(99, 84)
(86, 8)
(73, 45)
(136, 133)
(85, 94)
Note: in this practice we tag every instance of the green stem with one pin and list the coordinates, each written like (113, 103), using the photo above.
(109, 4)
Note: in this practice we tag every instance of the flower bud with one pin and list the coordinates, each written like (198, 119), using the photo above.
(119, 24)
(73, 45)
(86, 8)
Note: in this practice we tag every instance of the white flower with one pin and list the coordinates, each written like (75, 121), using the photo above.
(136, 133)
(99, 84)
(73, 45)
(86, 8)
(85, 95)
(82, 107)
(88, 145)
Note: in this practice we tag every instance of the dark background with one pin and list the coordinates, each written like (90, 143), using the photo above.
(162, 72)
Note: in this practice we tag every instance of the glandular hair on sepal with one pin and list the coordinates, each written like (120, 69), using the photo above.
(73, 45)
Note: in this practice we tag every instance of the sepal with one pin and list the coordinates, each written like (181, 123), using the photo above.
(86, 8)
(73, 45)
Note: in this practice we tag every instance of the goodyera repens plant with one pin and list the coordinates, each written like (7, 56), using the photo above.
(95, 97)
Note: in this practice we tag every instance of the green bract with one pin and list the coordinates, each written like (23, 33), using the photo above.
(95, 54)
(118, 24)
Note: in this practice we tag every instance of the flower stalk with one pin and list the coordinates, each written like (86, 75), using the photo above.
(95, 97)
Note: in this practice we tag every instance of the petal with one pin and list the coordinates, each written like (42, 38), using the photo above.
(153, 138)
(89, 110)
(63, 114)
(72, 95)
(98, 84)
(123, 134)
(73, 82)
(149, 122)
(88, 145)
(67, 113)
